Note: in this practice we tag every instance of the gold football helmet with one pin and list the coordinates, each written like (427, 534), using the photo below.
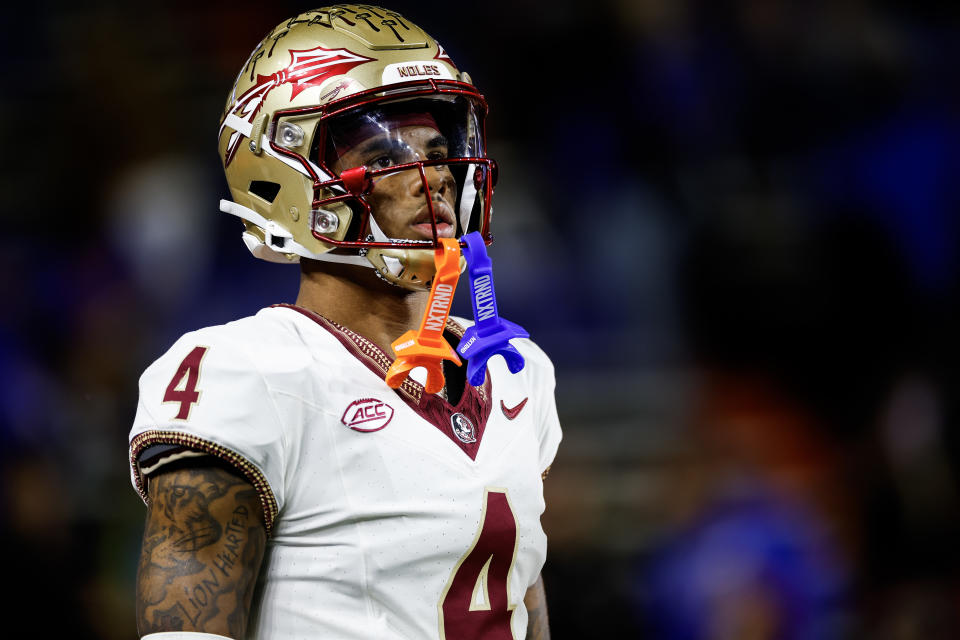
(335, 109)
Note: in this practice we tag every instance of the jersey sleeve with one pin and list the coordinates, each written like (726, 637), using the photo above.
(549, 432)
(206, 397)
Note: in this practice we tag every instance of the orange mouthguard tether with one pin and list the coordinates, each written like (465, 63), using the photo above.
(427, 347)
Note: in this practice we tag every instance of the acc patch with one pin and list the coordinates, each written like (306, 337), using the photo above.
(463, 428)
(367, 414)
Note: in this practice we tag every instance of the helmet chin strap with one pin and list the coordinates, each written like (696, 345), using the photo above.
(278, 241)
(393, 265)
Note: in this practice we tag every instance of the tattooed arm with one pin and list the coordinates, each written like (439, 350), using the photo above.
(538, 625)
(202, 550)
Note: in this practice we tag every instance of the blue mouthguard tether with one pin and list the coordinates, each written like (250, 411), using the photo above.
(491, 334)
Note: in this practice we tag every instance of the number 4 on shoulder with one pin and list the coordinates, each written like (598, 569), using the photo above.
(183, 386)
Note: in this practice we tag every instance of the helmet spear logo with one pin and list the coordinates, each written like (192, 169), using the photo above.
(307, 68)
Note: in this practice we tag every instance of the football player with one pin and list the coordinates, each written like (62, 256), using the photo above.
(291, 491)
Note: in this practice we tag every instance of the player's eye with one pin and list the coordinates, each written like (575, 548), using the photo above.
(380, 162)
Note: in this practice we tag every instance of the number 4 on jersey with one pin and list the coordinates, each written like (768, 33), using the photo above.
(183, 386)
(476, 603)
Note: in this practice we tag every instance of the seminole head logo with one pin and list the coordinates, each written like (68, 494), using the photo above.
(308, 68)
(463, 428)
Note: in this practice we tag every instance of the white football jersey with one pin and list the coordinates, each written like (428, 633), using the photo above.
(391, 513)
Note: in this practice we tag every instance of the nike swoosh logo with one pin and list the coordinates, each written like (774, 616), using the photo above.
(512, 413)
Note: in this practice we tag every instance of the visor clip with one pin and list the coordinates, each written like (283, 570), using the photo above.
(355, 181)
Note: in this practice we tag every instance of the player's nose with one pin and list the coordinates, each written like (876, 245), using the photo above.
(436, 178)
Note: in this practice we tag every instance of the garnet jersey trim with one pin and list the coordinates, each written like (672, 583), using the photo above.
(475, 403)
(256, 478)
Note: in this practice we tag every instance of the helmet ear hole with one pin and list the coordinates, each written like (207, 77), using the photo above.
(264, 190)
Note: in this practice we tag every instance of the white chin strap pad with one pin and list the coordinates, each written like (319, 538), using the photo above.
(376, 231)
(184, 635)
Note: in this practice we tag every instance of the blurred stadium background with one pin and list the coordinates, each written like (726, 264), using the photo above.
(733, 224)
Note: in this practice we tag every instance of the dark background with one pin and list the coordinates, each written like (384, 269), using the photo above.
(732, 224)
